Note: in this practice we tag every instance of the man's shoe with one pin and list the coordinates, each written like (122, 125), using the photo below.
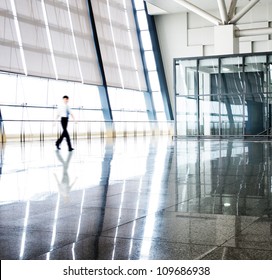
(71, 149)
(58, 147)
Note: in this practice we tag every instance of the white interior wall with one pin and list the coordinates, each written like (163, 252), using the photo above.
(189, 35)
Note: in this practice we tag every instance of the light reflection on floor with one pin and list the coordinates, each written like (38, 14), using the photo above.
(136, 198)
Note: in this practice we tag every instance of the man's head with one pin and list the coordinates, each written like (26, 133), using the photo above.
(65, 99)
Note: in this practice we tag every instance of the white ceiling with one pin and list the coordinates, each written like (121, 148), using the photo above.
(170, 6)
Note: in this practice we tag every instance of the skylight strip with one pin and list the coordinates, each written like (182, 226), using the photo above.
(49, 39)
(74, 41)
(114, 45)
(131, 46)
(19, 37)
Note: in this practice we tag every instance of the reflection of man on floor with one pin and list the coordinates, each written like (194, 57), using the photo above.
(64, 185)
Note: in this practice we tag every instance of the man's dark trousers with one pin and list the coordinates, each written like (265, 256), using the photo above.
(65, 134)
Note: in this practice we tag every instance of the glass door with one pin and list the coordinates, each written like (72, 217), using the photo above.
(186, 98)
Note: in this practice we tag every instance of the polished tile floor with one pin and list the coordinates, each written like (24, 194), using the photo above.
(136, 198)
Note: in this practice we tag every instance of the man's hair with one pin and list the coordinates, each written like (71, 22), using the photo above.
(65, 96)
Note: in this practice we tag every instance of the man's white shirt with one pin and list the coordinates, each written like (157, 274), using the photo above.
(64, 111)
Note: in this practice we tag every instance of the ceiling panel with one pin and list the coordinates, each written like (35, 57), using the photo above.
(170, 6)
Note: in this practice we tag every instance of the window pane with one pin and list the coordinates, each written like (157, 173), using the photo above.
(146, 40)
(150, 61)
(186, 116)
(232, 77)
(209, 116)
(232, 118)
(232, 65)
(186, 74)
(142, 20)
(8, 86)
(158, 102)
(255, 77)
(86, 96)
(208, 76)
(32, 91)
(139, 4)
(127, 105)
(154, 81)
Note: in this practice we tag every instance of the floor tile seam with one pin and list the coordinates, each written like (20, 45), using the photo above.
(239, 233)
(15, 227)
(138, 218)
(48, 252)
(36, 230)
(107, 196)
(20, 228)
(265, 216)
(147, 192)
(82, 237)
(183, 201)
(111, 207)
(37, 216)
(228, 175)
(202, 256)
(143, 216)
(228, 239)
(123, 224)
(11, 227)
(154, 240)
(246, 248)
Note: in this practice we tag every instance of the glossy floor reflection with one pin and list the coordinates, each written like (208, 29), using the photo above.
(136, 198)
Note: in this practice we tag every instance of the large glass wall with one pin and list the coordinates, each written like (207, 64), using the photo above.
(224, 96)
(51, 48)
(29, 106)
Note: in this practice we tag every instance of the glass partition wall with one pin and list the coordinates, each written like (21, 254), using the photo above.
(228, 96)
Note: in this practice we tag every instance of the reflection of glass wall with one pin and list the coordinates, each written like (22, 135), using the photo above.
(223, 177)
(224, 96)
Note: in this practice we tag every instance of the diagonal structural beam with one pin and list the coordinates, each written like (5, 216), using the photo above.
(240, 14)
(232, 9)
(223, 11)
(199, 11)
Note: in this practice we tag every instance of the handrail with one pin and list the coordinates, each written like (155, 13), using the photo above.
(84, 121)
(243, 136)
(37, 129)
(264, 131)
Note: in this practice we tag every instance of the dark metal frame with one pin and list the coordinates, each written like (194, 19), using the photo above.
(159, 64)
(151, 112)
(103, 90)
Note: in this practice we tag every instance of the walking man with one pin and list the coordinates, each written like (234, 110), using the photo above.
(64, 112)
